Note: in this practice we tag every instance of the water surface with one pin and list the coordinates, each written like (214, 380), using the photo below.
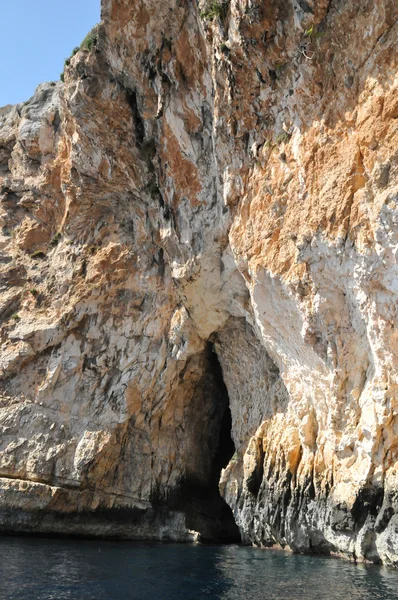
(48, 569)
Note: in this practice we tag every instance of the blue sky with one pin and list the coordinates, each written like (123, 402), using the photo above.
(36, 37)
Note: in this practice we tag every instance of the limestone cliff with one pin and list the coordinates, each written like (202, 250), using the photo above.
(199, 226)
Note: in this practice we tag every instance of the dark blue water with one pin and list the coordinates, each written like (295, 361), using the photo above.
(41, 569)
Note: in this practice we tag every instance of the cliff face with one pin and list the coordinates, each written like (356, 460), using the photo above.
(199, 225)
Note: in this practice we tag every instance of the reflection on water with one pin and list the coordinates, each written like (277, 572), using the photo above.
(42, 569)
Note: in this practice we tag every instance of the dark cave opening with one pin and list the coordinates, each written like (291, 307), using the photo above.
(226, 447)
(206, 511)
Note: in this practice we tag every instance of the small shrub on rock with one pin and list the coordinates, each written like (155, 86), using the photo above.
(214, 9)
(90, 41)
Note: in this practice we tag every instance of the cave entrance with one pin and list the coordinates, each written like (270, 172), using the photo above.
(211, 448)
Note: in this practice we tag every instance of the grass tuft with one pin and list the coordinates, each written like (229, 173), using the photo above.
(38, 254)
(55, 239)
(282, 138)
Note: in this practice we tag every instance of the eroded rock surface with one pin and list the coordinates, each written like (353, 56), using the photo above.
(214, 185)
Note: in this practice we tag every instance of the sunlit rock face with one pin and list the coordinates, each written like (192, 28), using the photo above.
(203, 219)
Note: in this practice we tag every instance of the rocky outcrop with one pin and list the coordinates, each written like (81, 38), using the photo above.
(199, 242)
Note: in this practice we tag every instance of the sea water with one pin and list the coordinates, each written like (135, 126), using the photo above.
(49, 569)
